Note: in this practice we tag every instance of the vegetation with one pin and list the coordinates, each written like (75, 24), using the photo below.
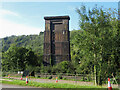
(22, 52)
(47, 85)
(18, 59)
(94, 48)
(98, 43)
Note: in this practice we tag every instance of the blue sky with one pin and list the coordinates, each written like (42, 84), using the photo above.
(25, 18)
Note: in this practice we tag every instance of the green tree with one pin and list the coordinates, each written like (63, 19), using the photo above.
(97, 40)
(18, 58)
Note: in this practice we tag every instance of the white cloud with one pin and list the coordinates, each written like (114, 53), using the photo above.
(4, 12)
(8, 28)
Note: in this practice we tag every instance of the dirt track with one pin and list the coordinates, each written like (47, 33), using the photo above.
(54, 81)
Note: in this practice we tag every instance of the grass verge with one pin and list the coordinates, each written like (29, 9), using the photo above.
(46, 85)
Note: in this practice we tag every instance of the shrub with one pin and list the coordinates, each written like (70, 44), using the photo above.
(82, 79)
(60, 77)
(50, 77)
(4, 74)
(88, 78)
(38, 76)
(64, 78)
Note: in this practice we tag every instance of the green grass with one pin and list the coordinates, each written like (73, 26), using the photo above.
(46, 85)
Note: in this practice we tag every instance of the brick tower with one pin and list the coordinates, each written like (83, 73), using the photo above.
(56, 40)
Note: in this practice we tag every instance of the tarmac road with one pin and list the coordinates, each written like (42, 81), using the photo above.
(17, 87)
(14, 86)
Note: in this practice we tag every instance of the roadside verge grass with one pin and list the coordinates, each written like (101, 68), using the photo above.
(50, 85)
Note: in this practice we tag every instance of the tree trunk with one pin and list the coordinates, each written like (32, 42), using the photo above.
(95, 75)
(95, 72)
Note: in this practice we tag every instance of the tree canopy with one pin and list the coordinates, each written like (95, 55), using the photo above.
(18, 59)
(96, 47)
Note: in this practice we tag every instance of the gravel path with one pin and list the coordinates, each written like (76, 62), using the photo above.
(59, 81)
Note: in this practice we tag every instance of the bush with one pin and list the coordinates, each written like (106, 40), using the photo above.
(50, 77)
(60, 77)
(82, 79)
(88, 78)
(38, 76)
(64, 78)
(4, 74)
